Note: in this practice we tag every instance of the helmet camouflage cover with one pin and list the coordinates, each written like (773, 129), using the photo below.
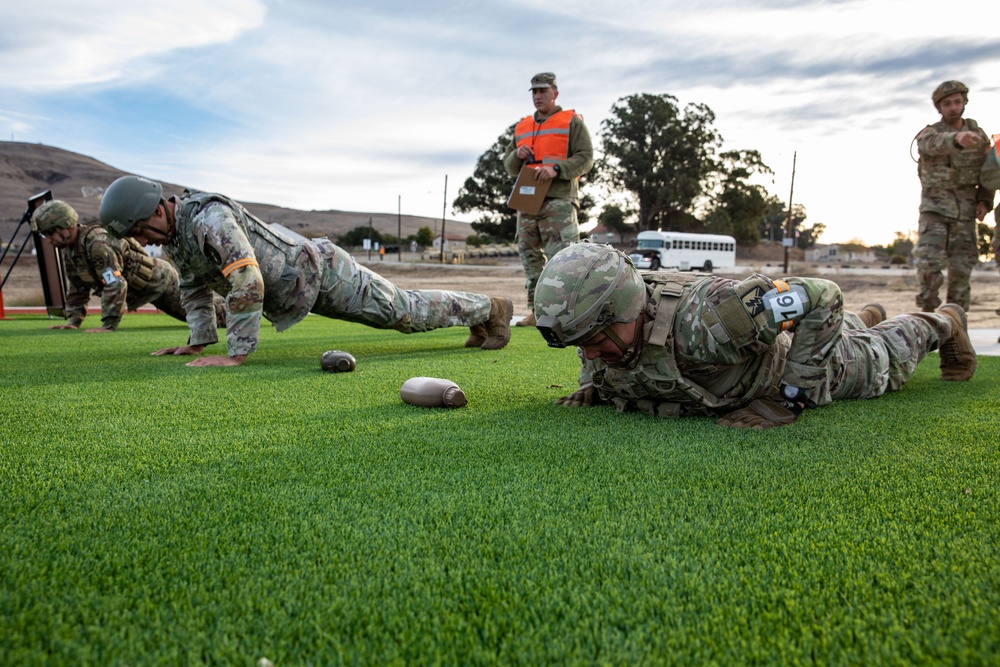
(53, 215)
(583, 289)
(949, 88)
(127, 201)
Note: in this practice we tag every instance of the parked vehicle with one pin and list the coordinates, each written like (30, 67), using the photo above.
(682, 251)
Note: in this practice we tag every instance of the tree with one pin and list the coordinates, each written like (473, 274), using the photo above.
(900, 249)
(809, 236)
(613, 218)
(775, 221)
(740, 207)
(359, 235)
(661, 156)
(986, 238)
(425, 236)
(486, 192)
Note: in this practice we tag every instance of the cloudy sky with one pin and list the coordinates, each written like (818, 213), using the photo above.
(354, 105)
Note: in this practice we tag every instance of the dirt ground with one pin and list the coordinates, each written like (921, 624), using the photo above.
(894, 289)
(895, 292)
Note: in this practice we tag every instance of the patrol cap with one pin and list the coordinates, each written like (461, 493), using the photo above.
(949, 88)
(544, 80)
(53, 215)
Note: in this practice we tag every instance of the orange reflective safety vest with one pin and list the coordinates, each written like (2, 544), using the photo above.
(548, 140)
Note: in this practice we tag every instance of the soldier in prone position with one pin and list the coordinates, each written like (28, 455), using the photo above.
(119, 271)
(674, 344)
(216, 244)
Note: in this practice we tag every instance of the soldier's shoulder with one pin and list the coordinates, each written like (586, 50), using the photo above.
(96, 237)
(932, 128)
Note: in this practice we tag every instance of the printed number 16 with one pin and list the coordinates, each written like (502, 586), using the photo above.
(790, 302)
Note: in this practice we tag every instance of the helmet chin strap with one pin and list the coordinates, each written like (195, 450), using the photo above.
(628, 351)
(171, 220)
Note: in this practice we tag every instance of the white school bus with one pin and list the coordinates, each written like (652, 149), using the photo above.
(684, 252)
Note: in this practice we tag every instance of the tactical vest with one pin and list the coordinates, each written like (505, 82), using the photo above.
(548, 140)
(657, 386)
(291, 269)
(137, 266)
(953, 170)
(193, 202)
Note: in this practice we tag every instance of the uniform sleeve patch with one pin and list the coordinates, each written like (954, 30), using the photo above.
(753, 300)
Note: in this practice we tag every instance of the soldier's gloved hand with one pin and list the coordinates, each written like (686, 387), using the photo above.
(762, 413)
(581, 398)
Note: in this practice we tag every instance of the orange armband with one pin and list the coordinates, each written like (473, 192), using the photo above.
(239, 264)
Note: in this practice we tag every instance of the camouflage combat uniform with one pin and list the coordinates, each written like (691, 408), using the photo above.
(556, 225)
(122, 274)
(710, 345)
(989, 177)
(947, 234)
(219, 245)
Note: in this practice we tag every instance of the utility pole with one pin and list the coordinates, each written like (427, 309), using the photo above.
(789, 240)
(369, 239)
(444, 211)
(399, 226)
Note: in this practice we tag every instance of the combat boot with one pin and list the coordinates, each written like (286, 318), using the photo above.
(528, 321)
(477, 336)
(872, 314)
(958, 357)
(498, 325)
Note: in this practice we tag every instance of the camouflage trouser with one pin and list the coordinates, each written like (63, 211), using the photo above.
(543, 235)
(995, 245)
(834, 357)
(358, 294)
(163, 292)
(945, 242)
(869, 362)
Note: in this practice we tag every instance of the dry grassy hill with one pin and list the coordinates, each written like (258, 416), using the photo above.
(27, 169)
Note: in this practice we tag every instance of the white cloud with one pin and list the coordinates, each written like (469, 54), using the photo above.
(347, 105)
(71, 43)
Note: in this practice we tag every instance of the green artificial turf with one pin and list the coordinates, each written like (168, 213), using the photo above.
(158, 514)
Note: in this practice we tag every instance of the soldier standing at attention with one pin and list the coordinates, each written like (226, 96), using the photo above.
(951, 199)
(216, 244)
(675, 344)
(119, 271)
(559, 144)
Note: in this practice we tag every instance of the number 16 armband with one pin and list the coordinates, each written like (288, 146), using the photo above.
(786, 304)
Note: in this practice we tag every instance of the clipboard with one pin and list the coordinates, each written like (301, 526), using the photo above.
(528, 195)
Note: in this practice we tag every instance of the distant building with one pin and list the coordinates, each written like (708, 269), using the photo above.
(601, 234)
(831, 252)
(452, 242)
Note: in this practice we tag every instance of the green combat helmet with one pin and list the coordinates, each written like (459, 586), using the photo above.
(53, 215)
(949, 88)
(127, 201)
(584, 289)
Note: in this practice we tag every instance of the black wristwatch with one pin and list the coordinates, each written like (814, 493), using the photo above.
(557, 168)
